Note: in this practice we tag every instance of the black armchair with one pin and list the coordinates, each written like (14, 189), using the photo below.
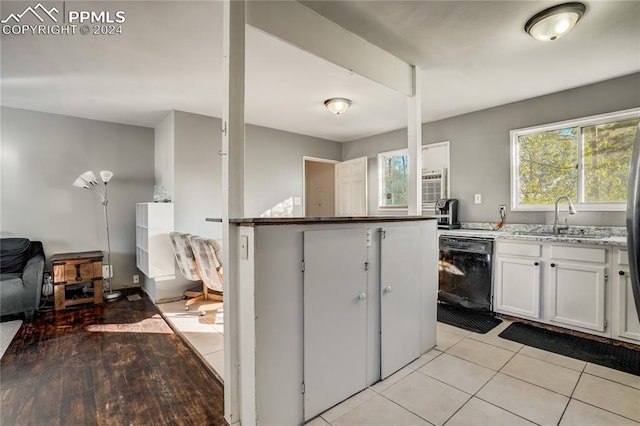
(21, 272)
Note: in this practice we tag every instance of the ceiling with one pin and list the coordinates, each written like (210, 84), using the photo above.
(473, 54)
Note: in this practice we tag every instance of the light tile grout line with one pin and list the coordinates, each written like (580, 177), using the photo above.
(516, 378)
(582, 373)
(475, 395)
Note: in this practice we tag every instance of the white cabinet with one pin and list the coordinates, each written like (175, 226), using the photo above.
(335, 317)
(577, 277)
(337, 301)
(626, 325)
(400, 260)
(154, 222)
(517, 287)
(577, 295)
(325, 323)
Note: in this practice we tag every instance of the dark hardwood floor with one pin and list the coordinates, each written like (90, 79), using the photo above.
(117, 363)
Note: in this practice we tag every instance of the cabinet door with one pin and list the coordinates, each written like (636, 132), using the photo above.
(577, 294)
(628, 324)
(400, 297)
(517, 286)
(335, 317)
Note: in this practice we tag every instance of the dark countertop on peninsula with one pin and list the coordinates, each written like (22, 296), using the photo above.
(264, 221)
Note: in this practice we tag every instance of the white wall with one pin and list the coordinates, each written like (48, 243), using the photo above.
(42, 155)
(479, 144)
(198, 175)
(164, 153)
(273, 170)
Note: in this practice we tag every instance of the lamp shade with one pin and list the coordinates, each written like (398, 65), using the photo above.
(337, 105)
(554, 22)
(89, 178)
(106, 176)
(80, 183)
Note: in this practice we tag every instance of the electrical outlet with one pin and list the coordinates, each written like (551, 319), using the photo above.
(478, 198)
(503, 210)
(136, 279)
(107, 271)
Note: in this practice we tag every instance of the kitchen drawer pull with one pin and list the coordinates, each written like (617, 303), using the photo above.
(536, 263)
(553, 265)
(362, 296)
(620, 272)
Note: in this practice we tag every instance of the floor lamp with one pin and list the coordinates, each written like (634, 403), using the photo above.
(88, 180)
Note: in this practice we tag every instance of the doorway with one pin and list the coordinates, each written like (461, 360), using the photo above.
(319, 193)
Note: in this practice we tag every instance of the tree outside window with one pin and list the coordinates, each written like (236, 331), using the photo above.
(394, 177)
(588, 161)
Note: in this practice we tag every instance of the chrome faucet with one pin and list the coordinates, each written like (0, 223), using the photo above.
(556, 221)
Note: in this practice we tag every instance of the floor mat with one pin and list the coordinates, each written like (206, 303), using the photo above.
(467, 319)
(605, 354)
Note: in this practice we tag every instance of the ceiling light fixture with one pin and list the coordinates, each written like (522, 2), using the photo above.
(337, 105)
(555, 22)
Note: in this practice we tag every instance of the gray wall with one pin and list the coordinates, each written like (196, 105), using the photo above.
(42, 155)
(480, 148)
(197, 174)
(273, 170)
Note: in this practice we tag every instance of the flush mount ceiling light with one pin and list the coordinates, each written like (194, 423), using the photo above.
(554, 22)
(337, 105)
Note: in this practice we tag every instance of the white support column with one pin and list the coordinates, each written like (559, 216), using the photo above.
(233, 50)
(414, 144)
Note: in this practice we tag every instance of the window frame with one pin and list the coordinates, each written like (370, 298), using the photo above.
(381, 156)
(579, 123)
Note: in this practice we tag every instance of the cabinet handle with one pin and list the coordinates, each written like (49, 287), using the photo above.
(536, 263)
(362, 296)
(553, 265)
(620, 272)
(388, 289)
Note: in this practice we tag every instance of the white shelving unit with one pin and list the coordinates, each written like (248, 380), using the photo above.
(154, 222)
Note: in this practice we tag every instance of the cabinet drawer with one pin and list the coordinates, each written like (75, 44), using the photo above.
(76, 272)
(520, 249)
(583, 254)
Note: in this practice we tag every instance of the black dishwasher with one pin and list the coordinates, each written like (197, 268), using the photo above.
(464, 272)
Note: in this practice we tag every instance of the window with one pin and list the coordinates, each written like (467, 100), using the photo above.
(393, 170)
(586, 159)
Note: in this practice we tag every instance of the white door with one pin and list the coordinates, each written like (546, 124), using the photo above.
(335, 317)
(400, 297)
(577, 294)
(351, 187)
(628, 323)
(517, 289)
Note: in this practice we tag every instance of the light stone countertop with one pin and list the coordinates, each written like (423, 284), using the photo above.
(606, 236)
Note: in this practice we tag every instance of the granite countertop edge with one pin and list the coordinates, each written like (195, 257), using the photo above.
(257, 221)
(620, 241)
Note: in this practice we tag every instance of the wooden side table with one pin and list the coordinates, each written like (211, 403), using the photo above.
(73, 269)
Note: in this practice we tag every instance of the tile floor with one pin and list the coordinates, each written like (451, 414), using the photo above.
(476, 379)
(203, 333)
(468, 379)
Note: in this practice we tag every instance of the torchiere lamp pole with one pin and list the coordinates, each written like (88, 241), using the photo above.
(88, 180)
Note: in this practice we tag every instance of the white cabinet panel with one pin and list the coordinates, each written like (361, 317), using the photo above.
(629, 325)
(517, 287)
(335, 317)
(154, 255)
(400, 297)
(577, 295)
(626, 323)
